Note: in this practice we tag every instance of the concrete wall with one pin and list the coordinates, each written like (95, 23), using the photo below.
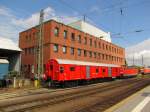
(92, 30)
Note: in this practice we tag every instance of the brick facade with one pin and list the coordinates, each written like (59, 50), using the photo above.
(59, 42)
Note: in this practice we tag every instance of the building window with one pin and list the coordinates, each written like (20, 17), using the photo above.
(64, 48)
(99, 55)
(65, 34)
(109, 48)
(79, 52)
(55, 47)
(90, 42)
(56, 31)
(109, 58)
(94, 54)
(103, 46)
(106, 47)
(95, 43)
(85, 53)
(79, 38)
(103, 56)
(99, 45)
(85, 40)
(73, 36)
(72, 50)
(90, 53)
(106, 57)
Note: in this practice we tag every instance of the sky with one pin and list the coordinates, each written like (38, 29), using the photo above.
(122, 18)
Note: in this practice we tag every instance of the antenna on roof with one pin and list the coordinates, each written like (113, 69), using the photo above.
(84, 17)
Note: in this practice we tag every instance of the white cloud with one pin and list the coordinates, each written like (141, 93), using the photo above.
(4, 11)
(135, 53)
(11, 25)
(33, 19)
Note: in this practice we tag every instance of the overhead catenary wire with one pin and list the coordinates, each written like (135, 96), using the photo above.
(84, 16)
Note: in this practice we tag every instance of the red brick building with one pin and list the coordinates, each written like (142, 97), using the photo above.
(65, 42)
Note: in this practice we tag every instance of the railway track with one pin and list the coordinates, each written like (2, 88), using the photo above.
(114, 96)
(35, 101)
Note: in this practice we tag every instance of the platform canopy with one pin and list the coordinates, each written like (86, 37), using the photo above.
(8, 44)
(9, 50)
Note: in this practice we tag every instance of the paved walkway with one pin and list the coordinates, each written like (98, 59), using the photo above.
(139, 102)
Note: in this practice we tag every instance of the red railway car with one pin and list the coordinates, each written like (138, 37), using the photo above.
(129, 72)
(61, 70)
(68, 70)
(146, 70)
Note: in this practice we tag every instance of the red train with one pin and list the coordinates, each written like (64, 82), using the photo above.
(60, 71)
(145, 70)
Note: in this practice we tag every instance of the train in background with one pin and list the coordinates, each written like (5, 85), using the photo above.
(70, 71)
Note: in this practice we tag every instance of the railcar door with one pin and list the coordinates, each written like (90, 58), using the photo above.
(109, 71)
(54, 70)
(87, 72)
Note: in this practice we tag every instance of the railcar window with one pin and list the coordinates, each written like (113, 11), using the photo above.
(51, 67)
(61, 69)
(97, 70)
(103, 70)
(72, 68)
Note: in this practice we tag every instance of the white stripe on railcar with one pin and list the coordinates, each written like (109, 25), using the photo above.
(64, 61)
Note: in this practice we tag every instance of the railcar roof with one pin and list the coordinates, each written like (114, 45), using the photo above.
(64, 61)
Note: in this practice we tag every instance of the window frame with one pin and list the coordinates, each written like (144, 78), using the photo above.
(79, 38)
(55, 45)
(72, 36)
(65, 34)
(79, 52)
(56, 31)
(64, 48)
(72, 49)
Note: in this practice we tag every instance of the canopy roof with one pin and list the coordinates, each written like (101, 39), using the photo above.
(3, 61)
(8, 44)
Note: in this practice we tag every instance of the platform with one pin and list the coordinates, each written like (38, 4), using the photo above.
(138, 102)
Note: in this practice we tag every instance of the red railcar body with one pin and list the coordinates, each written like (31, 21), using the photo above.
(130, 72)
(61, 70)
(146, 70)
